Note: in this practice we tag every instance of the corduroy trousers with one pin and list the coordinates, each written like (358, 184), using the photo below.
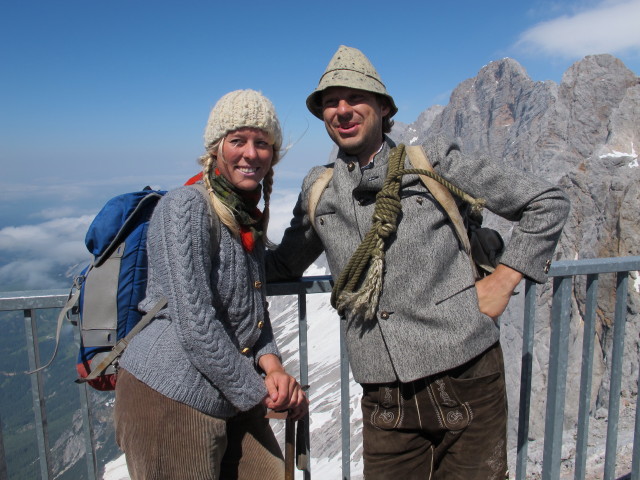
(166, 440)
(451, 426)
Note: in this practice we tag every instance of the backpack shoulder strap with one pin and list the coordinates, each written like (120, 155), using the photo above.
(316, 190)
(119, 347)
(72, 300)
(419, 160)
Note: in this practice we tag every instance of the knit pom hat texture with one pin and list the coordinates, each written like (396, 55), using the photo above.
(242, 108)
(349, 67)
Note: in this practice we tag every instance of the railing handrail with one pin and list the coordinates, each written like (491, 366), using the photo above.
(594, 266)
(33, 299)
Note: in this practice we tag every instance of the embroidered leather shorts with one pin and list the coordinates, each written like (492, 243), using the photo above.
(448, 426)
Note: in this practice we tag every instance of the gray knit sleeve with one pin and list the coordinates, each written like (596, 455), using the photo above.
(300, 245)
(266, 344)
(539, 208)
(179, 242)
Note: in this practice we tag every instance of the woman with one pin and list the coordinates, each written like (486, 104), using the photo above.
(194, 385)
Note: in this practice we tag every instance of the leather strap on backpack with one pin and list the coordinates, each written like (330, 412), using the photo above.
(315, 192)
(420, 161)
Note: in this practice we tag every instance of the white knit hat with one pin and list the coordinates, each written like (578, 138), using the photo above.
(242, 108)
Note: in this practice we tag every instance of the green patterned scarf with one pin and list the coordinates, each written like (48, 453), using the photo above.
(243, 204)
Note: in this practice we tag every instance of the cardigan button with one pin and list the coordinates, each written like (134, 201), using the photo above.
(419, 200)
(257, 284)
(547, 266)
(351, 166)
(245, 351)
(384, 315)
(261, 324)
(321, 221)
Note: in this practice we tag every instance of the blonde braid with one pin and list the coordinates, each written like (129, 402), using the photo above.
(267, 188)
(224, 213)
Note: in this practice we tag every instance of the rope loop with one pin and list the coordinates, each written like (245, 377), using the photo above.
(370, 252)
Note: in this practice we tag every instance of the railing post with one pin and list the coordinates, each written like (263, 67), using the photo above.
(37, 393)
(588, 340)
(526, 373)
(635, 466)
(345, 408)
(87, 428)
(556, 380)
(3, 459)
(304, 370)
(617, 351)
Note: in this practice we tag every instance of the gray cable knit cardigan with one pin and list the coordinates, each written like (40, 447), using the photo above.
(428, 318)
(192, 351)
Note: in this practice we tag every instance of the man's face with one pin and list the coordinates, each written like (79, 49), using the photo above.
(353, 119)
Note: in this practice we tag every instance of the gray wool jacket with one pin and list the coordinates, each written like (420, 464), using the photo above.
(192, 350)
(428, 319)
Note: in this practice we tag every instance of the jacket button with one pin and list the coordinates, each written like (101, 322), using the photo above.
(351, 166)
(245, 351)
(257, 284)
(261, 324)
(547, 266)
(384, 315)
(321, 221)
(419, 200)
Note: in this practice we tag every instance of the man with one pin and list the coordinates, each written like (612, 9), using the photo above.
(426, 351)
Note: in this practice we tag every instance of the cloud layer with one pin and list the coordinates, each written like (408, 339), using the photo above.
(48, 254)
(40, 256)
(610, 27)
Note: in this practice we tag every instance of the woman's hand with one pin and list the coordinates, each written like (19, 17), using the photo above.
(283, 391)
(494, 291)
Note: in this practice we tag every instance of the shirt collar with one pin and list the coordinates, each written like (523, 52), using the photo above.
(371, 163)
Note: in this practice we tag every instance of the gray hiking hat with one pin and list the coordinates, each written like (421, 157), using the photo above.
(349, 68)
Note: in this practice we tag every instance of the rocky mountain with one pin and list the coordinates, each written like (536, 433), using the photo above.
(582, 134)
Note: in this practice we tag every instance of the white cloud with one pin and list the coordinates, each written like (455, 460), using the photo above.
(609, 27)
(49, 236)
(102, 188)
(38, 256)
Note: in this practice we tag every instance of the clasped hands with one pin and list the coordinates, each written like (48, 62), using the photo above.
(283, 391)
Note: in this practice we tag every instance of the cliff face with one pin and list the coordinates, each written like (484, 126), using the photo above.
(582, 134)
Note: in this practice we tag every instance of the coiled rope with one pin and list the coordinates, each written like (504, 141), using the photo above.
(368, 259)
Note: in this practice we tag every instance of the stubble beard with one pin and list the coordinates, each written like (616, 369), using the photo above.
(356, 147)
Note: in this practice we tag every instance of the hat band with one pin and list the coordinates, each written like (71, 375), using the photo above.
(351, 70)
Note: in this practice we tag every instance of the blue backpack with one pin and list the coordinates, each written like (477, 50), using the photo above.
(111, 286)
(106, 294)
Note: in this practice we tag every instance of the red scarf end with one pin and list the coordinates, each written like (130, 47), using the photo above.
(248, 242)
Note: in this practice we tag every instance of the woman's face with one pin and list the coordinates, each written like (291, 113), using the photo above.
(247, 155)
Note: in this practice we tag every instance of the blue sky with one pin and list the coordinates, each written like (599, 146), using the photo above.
(103, 97)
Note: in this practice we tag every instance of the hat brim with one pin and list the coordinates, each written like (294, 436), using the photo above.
(349, 79)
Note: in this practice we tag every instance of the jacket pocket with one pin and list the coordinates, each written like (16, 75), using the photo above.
(463, 290)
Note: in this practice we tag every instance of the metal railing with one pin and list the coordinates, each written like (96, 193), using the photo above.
(562, 273)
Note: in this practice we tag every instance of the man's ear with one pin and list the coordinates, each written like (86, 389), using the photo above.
(385, 108)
